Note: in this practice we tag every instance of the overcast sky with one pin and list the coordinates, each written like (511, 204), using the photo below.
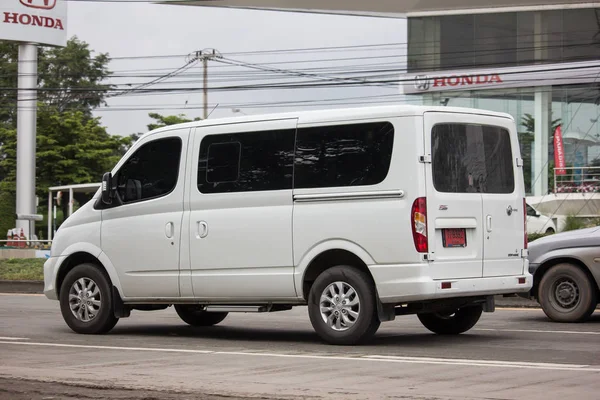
(144, 29)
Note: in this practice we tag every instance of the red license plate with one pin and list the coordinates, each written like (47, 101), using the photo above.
(454, 237)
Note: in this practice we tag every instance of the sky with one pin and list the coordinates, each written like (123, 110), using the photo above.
(144, 29)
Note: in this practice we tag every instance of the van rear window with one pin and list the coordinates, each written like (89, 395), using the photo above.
(468, 158)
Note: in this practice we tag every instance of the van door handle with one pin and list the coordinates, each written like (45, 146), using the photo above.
(169, 228)
(201, 229)
(489, 223)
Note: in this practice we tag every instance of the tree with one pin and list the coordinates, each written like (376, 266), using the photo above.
(69, 79)
(526, 140)
(72, 146)
(161, 120)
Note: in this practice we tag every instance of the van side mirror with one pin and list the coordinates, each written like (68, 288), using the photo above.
(107, 188)
(538, 214)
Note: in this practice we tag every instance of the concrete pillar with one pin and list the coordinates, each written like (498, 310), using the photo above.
(542, 107)
(49, 215)
(26, 133)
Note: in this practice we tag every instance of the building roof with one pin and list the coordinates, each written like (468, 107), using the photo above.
(387, 8)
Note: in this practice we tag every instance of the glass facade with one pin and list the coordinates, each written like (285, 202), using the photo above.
(503, 39)
(572, 107)
(472, 42)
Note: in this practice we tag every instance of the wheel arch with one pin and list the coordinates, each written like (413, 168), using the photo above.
(328, 255)
(548, 264)
(86, 254)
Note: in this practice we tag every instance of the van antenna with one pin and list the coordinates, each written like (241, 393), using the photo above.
(211, 111)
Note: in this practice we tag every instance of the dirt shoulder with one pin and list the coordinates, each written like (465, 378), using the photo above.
(21, 389)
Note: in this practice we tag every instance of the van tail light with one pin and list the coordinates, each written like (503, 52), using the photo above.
(524, 223)
(418, 219)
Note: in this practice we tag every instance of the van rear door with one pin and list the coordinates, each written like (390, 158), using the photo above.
(503, 203)
(454, 206)
(474, 210)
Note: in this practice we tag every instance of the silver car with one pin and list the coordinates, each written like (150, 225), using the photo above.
(566, 274)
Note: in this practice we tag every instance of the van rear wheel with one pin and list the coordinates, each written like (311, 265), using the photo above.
(342, 306)
(453, 322)
(196, 315)
(86, 301)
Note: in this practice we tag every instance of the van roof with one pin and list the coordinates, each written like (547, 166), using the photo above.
(334, 114)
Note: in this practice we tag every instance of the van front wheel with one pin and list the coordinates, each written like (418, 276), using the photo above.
(451, 323)
(196, 316)
(342, 306)
(86, 301)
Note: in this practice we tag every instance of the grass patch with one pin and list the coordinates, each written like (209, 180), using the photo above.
(26, 269)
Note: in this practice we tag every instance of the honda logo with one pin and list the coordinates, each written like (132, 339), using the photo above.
(422, 82)
(42, 4)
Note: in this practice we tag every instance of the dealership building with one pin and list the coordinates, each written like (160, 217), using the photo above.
(539, 61)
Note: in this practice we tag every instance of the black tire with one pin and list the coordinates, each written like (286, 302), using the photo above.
(449, 323)
(104, 318)
(550, 231)
(365, 324)
(195, 316)
(557, 303)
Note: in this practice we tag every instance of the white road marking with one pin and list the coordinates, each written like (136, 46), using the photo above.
(538, 331)
(13, 338)
(363, 358)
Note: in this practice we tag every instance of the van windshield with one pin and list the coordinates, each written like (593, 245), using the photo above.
(470, 158)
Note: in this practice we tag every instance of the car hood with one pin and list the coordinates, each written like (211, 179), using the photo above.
(578, 238)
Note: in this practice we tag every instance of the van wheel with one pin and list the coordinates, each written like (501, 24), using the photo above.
(86, 301)
(566, 294)
(451, 323)
(196, 316)
(549, 231)
(342, 306)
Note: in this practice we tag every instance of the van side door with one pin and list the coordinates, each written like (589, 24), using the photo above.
(140, 232)
(240, 201)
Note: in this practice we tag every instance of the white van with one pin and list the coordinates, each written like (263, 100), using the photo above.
(360, 214)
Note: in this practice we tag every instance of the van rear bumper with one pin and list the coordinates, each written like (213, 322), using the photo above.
(408, 283)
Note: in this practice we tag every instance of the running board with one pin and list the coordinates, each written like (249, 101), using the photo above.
(247, 309)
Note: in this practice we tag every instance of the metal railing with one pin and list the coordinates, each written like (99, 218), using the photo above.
(577, 180)
(26, 244)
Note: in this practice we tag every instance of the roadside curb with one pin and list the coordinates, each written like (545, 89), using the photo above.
(33, 287)
(26, 287)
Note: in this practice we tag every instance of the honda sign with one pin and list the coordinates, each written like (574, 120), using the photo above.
(34, 21)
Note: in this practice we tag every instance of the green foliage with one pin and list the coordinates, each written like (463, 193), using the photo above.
(534, 236)
(526, 140)
(162, 120)
(73, 149)
(72, 146)
(573, 223)
(7, 213)
(26, 269)
(69, 78)
(77, 74)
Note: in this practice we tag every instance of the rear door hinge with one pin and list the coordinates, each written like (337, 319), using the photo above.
(519, 162)
(524, 253)
(425, 159)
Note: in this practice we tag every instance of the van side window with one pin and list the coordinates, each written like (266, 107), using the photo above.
(343, 155)
(248, 161)
(151, 171)
(469, 158)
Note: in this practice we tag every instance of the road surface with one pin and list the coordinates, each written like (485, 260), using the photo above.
(510, 354)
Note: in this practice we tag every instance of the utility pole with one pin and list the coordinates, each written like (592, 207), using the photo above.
(204, 56)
